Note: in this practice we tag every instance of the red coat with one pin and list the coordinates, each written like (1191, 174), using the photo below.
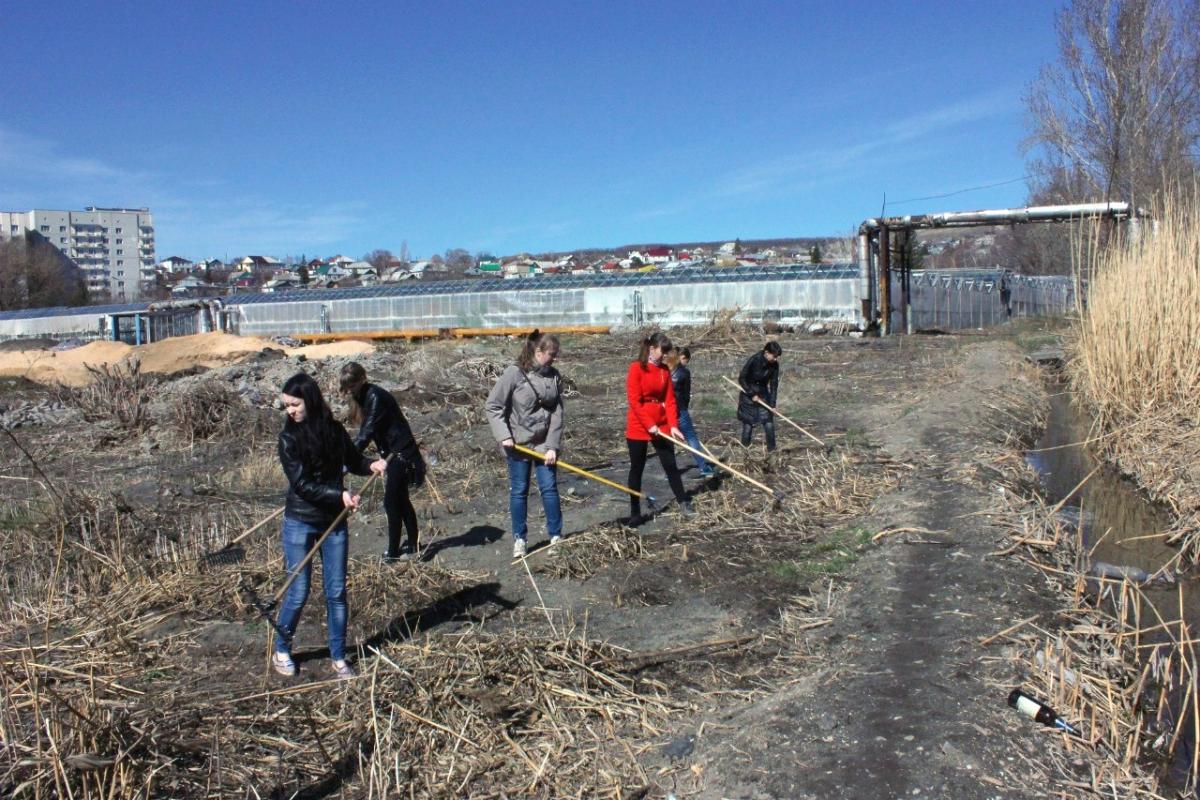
(651, 401)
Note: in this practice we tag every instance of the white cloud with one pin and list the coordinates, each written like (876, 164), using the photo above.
(196, 218)
(899, 140)
(24, 158)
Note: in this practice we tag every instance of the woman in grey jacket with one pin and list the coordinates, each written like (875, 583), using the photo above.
(525, 407)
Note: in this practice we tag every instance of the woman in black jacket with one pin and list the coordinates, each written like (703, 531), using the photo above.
(759, 380)
(315, 450)
(382, 422)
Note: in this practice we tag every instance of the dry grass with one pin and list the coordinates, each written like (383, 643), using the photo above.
(208, 410)
(106, 695)
(1137, 365)
(118, 393)
(1122, 671)
(258, 471)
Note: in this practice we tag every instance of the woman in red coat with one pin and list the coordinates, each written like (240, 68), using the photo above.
(652, 411)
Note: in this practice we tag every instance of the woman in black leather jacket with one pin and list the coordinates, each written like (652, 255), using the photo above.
(381, 421)
(759, 380)
(315, 450)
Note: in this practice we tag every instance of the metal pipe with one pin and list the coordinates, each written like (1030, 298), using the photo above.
(885, 283)
(863, 257)
(1056, 213)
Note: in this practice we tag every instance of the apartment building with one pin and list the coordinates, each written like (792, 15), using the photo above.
(113, 246)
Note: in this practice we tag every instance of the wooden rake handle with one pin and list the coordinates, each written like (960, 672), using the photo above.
(722, 465)
(321, 540)
(584, 473)
(256, 526)
(776, 412)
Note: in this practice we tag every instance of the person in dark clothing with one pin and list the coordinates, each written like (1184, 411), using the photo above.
(681, 381)
(381, 421)
(652, 412)
(759, 380)
(315, 451)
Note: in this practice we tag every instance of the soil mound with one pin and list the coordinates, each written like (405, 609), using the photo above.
(167, 356)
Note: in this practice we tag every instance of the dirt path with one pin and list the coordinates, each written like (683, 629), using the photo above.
(906, 704)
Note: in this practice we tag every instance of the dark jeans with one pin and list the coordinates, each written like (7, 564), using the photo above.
(298, 539)
(399, 508)
(638, 451)
(519, 467)
(768, 429)
(689, 434)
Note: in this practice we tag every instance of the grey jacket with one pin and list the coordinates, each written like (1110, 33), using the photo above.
(527, 407)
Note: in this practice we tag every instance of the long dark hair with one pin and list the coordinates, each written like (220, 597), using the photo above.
(660, 340)
(535, 342)
(320, 435)
(352, 381)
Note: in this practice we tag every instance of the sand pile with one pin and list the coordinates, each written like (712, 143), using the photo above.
(169, 355)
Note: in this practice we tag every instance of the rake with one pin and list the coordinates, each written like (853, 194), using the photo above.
(234, 553)
(775, 493)
(776, 412)
(267, 609)
(586, 474)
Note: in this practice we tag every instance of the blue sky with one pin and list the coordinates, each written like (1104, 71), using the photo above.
(315, 128)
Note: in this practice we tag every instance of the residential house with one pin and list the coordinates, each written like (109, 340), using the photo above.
(657, 255)
(249, 263)
(359, 269)
(174, 264)
(244, 281)
(282, 282)
(328, 275)
(425, 269)
(191, 286)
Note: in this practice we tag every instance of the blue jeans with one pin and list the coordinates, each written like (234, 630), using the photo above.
(689, 435)
(519, 467)
(298, 539)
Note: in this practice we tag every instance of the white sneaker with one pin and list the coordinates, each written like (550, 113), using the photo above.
(283, 664)
(555, 540)
(518, 548)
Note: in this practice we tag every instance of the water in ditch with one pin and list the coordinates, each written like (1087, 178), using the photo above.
(1120, 526)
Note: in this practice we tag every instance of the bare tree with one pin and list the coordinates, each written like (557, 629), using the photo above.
(379, 259)
(1118, 115)
(35, 274)
(459, 259)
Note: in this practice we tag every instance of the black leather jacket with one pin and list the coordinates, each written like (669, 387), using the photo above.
(384, 424)
(314, 494)
(758, 377)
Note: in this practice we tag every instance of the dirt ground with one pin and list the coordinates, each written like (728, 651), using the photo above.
(829, 645)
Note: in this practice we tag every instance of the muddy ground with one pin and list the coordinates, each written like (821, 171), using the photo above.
(826, 646)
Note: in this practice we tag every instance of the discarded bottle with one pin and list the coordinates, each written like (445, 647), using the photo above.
(1032, 707)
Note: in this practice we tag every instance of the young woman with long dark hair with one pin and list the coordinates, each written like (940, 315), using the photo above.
(315, 451)
(652, 411)
(381, 421)
(525, 407)
(759, 380)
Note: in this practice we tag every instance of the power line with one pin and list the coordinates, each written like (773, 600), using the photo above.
(960, 191)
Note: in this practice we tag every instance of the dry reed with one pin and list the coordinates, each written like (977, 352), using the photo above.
(1120, 670)
(1137, 366)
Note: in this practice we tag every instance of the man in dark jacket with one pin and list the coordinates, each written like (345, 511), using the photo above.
(759, 380)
